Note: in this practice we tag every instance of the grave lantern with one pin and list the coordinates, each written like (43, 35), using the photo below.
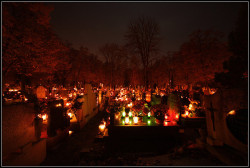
(126, 120)
(148, 97)
(136, 120)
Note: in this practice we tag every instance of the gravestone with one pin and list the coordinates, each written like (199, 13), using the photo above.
(217, 108)
(174, 104)
(57, 118)
(41, 92)
(89, 107)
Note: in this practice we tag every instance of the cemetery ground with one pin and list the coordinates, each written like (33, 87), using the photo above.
(83, 148)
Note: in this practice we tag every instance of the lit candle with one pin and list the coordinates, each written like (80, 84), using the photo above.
(123, 114)
(177, 116)
(70, 115)
(44, 116)
(126, 120)
(149, 114)
(135, 120)
(130, 114)
(102, 127)
(149, 122)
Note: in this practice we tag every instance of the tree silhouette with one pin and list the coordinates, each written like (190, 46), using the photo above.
(142, 38)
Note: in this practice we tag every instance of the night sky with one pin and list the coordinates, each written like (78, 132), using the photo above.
(92, 24)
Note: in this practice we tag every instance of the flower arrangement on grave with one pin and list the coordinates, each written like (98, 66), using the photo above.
(159, 111)
(138, 107)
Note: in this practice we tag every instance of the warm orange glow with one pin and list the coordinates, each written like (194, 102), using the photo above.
(190, 107)
(102, 127)
(165, 123)
(126, 120)
(70, 115)
(58, 105)
(135, 120)
(148, 97)
(166, 117)
(186, 113)
(232, 112)
(177, 116)
(25, 99)
(70, 132)
(44, 116)
(12, 90)
(68, 104)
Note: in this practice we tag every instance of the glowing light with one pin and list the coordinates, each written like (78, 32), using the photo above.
(70, 132)
(70, 115)
(25, 99)
(166, 117)
(70, 95)
(149, 114)
(135, 120)
(116, 116)
(123, 114)
(102, 127)
(130, 105)
(190, 107)
(130, 114)
(12, 90)
(149, 122)
(177, 116)
(232, 112)
(44, 117)
(186, 113)
(68, 104)
(58, 105)
(165, 123)
(126, 120)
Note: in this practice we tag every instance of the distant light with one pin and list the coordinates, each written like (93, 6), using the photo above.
(102, 127)
(126, 120)
(177, 116)
(124, 114)
(165, 123)
(149, 122)
(130, 114)
(190, 106)
(232, 112)
(44, 117)
(70, 132)
(166, 117)
(70, 115)
(135, 120)
(58, 105)
(149, 114)
(186, 113)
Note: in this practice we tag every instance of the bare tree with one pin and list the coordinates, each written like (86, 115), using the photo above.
(115, 57)
(142, 37)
